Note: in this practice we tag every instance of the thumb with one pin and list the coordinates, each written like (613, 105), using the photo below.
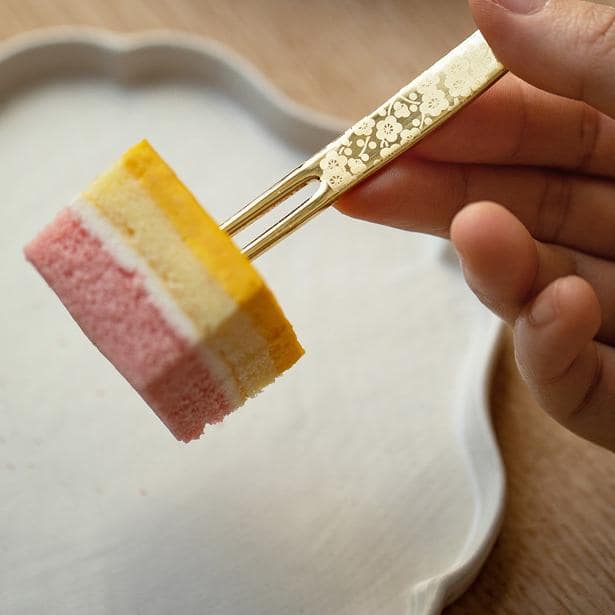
(563, 46)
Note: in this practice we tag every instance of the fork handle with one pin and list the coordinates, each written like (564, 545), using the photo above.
(401, 122)
(408, 116)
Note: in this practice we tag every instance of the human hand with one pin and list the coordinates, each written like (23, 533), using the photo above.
(541, 142)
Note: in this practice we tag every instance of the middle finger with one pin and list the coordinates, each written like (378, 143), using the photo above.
(575, 211)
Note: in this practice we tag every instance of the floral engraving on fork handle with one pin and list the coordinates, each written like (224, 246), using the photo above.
(411, 114)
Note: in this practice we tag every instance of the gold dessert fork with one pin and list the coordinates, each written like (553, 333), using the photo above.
(403, 120)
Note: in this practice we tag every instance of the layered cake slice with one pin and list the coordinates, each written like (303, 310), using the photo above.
(164, 294)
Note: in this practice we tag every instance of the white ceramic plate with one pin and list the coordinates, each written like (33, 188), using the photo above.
(366, 481)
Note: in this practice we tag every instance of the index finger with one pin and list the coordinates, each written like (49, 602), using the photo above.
(514, 123)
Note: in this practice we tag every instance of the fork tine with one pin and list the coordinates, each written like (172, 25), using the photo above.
(322, 198)
(280, 191)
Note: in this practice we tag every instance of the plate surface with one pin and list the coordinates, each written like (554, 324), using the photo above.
(366, 481)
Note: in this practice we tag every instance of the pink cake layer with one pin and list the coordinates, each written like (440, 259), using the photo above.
(116, 311)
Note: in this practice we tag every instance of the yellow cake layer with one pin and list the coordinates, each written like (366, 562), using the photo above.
(216, 251)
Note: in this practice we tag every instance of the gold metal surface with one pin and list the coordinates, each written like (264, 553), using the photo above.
(398, 124)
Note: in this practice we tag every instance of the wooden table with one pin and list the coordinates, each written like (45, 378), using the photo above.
(556, 552)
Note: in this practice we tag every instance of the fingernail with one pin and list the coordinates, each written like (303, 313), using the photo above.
(525, 7)
(542, 311)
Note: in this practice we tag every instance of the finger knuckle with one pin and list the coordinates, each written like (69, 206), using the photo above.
(554, 206)
(571, 408)
(589, 396)
(594, 41)
(589, 132)
(598, 31)
(521, 122)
